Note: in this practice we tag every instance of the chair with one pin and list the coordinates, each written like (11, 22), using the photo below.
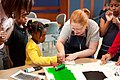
(52, 29)
(61, 18)
(32, 15)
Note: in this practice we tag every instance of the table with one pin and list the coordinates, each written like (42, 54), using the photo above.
(5, 74)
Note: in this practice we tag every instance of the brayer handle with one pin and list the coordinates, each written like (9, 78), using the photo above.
(59, 67)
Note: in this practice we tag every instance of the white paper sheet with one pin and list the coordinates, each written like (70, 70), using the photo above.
(69, 62)
(21, 75)
(108, 69)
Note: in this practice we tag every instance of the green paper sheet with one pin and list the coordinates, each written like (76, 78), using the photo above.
(63, 74)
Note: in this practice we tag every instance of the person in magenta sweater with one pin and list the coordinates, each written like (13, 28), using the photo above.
(112, 51)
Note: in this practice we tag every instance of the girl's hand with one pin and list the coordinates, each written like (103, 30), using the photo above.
(116, 21)
(105, 58)
(118, 62)
(60, 57)
(109, 15)
(71, 57)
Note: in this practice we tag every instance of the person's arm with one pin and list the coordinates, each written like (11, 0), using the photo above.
(104, 25)
(64, 35)
(115, 46)
(105, 58)
(118, 62)
(5, 34)
(60, 49)
(9, 31)
(39, 60)
(112, 50)
(85, 53)
(60, 46)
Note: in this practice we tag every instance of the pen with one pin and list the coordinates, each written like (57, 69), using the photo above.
(41, 74)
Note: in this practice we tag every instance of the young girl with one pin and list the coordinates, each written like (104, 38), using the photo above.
(9, 9)
(109, 28)
(33, 53)
(18, 40)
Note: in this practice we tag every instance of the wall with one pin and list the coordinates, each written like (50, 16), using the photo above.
(98, 5)
(47, 3)
(74, 4)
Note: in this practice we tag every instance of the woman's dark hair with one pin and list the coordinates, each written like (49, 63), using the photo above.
(35, 26)
(111, 0)
(13, 8)
(118, 0)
